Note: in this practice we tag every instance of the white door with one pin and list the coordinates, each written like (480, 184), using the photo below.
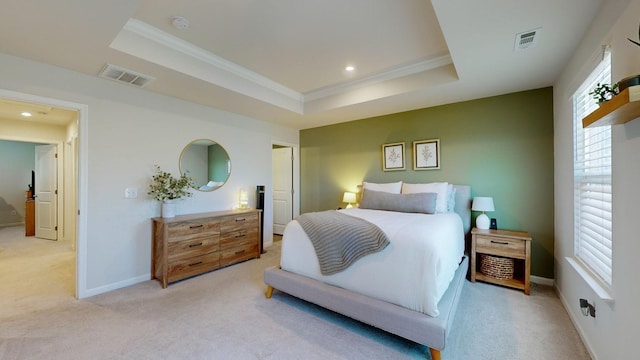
(282, 164)
(46, 191)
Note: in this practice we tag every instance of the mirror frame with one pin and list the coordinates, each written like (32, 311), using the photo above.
(184, 167)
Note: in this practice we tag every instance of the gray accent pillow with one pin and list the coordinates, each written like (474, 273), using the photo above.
(411, 203)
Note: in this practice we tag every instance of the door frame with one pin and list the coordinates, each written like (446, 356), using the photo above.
(81, 181)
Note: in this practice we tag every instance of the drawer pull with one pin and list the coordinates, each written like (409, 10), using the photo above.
(195, 226)
(240, 219)
(239, 252)
(196, 263)
(499, 242)
(240, 236)
(194, 245)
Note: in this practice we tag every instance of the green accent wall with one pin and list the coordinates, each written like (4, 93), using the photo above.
(502, 146)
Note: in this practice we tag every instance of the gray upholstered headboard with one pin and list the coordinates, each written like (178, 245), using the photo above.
(463, 205)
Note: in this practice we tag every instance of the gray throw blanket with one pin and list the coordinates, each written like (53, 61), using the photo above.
(340, 240)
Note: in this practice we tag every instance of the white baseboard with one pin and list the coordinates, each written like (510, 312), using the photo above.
(114, 286)
(11, 224)
(542, 281)
(576, 324)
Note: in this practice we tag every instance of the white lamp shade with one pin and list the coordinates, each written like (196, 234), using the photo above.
(349, 197)
(482, 204)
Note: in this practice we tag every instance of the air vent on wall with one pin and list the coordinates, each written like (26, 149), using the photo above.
(527, 39)
(126, 76)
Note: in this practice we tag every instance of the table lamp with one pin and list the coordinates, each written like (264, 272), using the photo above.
(349, 198)
(243, 202)
(482, 204)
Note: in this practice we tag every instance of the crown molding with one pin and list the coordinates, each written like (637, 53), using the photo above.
(188, 58)
(395, 73)
(158, 36)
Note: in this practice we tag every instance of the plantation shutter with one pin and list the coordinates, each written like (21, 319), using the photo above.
(592, 180)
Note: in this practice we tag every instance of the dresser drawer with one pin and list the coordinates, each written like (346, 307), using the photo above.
(185, 230)
(239, 253)
(184, 268)
(239, 238)
(501, 246)
(238, 222)
(189, 248)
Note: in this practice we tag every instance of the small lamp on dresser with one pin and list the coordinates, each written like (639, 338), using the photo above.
(349, 198)
(243, 201)
(483, 204)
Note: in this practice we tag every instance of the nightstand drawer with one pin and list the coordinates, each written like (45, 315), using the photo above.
(501, 246)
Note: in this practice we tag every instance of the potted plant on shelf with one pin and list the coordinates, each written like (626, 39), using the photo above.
(604, 92)
(166, 188)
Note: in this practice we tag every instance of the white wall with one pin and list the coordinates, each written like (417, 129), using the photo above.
(611, 334)
(128, 131)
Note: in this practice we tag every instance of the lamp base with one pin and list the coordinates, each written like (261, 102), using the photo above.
(482, 222)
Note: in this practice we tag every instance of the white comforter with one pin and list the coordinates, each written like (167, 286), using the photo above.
(414, 271)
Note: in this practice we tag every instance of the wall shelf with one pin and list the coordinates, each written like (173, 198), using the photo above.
(620, 109)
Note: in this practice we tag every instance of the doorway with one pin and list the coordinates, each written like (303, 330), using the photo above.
(57, 123)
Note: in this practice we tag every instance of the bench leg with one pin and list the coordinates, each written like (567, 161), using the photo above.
(269, 292)
(435, 354)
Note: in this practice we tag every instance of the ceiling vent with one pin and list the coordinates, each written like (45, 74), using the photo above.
(527, 39)
(125, 76)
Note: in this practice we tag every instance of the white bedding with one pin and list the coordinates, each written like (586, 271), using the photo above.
(414, 271)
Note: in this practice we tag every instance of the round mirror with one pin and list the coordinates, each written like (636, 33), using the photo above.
(207, 163)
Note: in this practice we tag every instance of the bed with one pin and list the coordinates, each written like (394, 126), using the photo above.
(366, 290)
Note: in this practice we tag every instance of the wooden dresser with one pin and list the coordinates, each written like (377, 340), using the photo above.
(189, 245)
(30, 217)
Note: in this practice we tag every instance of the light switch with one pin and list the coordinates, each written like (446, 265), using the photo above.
(131, 193)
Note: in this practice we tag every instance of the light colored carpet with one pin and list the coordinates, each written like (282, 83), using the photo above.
(224, 315)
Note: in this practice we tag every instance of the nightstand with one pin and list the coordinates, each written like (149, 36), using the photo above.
(502, 244)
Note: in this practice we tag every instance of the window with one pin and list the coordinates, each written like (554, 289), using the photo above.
(592, 180)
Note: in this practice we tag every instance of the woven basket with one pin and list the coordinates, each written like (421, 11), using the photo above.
(496, 267)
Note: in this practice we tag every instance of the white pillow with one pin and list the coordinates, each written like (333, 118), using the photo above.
(393, 188)
(451, 200)
(439, 188)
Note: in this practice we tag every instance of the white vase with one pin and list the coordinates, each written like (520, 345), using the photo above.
(168, 209)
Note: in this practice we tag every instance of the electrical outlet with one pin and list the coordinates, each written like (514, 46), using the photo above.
(587, 309)
(131, 193)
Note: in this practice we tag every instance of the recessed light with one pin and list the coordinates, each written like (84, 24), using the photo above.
(26, 114)
(350, 68)
(180, 23)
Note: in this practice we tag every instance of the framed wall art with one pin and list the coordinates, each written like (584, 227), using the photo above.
(426, 154)
(393, 156)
